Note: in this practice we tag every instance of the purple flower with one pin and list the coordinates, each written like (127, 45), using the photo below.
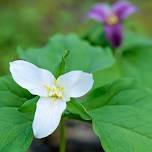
(112, 18)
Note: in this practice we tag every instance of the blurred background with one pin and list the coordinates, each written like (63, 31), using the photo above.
(29, 23)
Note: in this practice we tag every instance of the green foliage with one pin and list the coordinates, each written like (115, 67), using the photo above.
(135, 58)
(29, 105)
(105, 76)
(11, 95)
(95, 35)
(50, 56)
(133, 41)
(119, 109)
(121, 115)
(60, 55)
(75, 108)
(15, 131)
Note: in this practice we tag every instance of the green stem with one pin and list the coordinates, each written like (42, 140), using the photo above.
(62, 136)
(62, 127)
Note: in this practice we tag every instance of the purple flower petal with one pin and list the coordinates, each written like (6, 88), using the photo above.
(114, 34)
(99, 12)
(123, 9)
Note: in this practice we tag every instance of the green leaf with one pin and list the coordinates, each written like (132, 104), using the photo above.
(133, 41)
(29, 105)
(95, 35)
(15, 131)
(105, 76)
(12, 95)
(136, 60)
(133, 57)
(76, 108)
(121, 114)
(81, 55)
(29, 108)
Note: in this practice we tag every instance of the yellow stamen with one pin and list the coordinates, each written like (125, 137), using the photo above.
(112, 20)
(47, 87)
(55, 92)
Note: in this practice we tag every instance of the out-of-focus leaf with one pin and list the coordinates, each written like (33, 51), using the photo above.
(136, 59)
(81, 56)
(133, 41)
(95, 35)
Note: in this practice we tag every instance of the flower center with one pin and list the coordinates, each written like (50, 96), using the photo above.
(112, 20)
(55, 92)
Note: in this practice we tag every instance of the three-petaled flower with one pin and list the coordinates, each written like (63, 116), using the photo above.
(54, 93)
(112, 18)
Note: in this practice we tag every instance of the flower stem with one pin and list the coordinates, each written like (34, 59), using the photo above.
(62, 136)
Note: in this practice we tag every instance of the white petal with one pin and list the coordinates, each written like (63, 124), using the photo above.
(31, 77)
(76, 83)
(47, 116)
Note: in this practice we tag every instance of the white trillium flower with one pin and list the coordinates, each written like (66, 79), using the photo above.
(54, 93)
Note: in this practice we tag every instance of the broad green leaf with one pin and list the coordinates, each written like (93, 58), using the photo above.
(76, 108)
(121, 114)
(12, 95)
(137, 63)
(15, 131)
(81, 56)
(133, 57)
(105, 76)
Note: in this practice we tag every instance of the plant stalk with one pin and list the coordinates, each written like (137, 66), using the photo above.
(62, 126)
(62, 136)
